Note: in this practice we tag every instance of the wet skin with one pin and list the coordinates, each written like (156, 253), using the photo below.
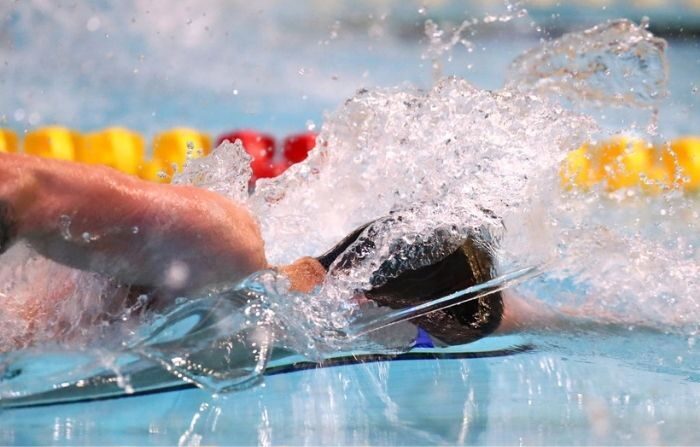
(172, 237)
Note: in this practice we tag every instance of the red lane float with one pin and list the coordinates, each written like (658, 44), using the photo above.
(297, 147)
(267, 161)
(124, 149)
(258, 145)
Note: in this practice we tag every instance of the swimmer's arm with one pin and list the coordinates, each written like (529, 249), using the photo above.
(520, 314)
(96, 218)
(528, 314)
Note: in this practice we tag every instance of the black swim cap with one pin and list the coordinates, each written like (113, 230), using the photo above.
(470, 264)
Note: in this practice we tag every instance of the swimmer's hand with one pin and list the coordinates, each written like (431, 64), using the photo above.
(177, 238)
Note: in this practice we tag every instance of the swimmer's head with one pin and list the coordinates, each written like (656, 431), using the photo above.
(470, 264)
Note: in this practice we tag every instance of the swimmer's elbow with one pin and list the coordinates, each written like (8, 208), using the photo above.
(220, 232)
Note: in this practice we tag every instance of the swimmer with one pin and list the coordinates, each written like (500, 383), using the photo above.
(178, 240)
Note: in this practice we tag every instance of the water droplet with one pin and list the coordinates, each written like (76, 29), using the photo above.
(19, 115)
(93, 24)
(34, 118)
(64, 225)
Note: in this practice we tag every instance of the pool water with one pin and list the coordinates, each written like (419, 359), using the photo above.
(544, 394)
(626, 383)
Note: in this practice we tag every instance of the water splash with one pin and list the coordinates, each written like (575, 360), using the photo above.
(629, 260)
(445, 161)
(225, 171)
(617, 63)
(453, 159)
(441, 42)
(438, 46)
(45, 303)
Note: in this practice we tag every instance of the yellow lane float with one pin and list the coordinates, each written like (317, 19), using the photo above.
(53, 142)
(682, 159)
(628, 162)
(154, 170)
(577, 169)
(117, 147)
(8, 141)
(176, 146)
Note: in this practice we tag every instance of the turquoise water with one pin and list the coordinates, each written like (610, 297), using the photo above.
(547, 394)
